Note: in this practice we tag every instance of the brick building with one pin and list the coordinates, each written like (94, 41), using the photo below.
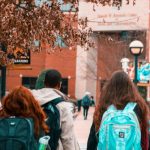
(87, 70)
(64, 61)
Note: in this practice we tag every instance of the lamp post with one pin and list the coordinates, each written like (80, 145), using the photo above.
(136, 48)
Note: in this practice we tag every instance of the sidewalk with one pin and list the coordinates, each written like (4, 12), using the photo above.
(82, 127)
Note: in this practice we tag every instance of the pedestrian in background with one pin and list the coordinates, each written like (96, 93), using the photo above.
(119, 91)
(79, 104)
(86, 102)
(92, 101)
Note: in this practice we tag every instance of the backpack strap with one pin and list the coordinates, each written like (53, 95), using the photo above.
(56, 101)
(53, 121)
(61, 94)
(53, 102)
(130, 106)
(111, 108)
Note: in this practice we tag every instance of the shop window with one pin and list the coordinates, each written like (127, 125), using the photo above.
(29, 82)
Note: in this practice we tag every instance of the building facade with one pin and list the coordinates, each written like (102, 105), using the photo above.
(64, 61)
(113, 30)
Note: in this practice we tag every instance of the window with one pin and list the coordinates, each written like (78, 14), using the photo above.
(59, 42)
(124, 35)
(64, 7)
(29, 82)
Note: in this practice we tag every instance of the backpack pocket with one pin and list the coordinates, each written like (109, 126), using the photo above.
(17, 134)
(119, 130)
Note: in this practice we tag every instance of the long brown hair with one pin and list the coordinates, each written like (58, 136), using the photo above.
(119, 90)
(21, 103)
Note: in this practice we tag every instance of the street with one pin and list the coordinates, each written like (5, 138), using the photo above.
(82, 127)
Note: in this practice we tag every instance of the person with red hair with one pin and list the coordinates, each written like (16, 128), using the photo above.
(21, 103)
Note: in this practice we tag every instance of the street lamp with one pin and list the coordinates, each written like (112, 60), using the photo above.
(136, 48)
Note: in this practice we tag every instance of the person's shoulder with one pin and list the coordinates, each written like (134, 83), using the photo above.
(66, 108)
(58, 100)
(64, 105)
(84, 97)
(41, 90)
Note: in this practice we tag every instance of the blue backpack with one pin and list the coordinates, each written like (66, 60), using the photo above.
(86, 101)
(17, 133)
(120, 129)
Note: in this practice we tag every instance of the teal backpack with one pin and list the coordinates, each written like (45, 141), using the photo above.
(86, 101)
(17, 134)
(119, 129)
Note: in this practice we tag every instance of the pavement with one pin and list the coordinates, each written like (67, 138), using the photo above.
(82, 127)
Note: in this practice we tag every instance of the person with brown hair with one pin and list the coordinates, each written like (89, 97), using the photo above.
(119, 91)
(21, 104)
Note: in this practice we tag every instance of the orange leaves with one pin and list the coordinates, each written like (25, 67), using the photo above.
(22, 20)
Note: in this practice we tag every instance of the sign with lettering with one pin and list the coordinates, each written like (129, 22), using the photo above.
(19, 56)
(143, 72)
(110, 18)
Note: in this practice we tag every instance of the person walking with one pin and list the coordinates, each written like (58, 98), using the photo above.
(86, 102)
(117, 94)
(79, 104)
(92, 101)
(21, 112)
(46, 96)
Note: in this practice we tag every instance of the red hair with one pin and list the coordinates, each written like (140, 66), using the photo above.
(21, 103)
